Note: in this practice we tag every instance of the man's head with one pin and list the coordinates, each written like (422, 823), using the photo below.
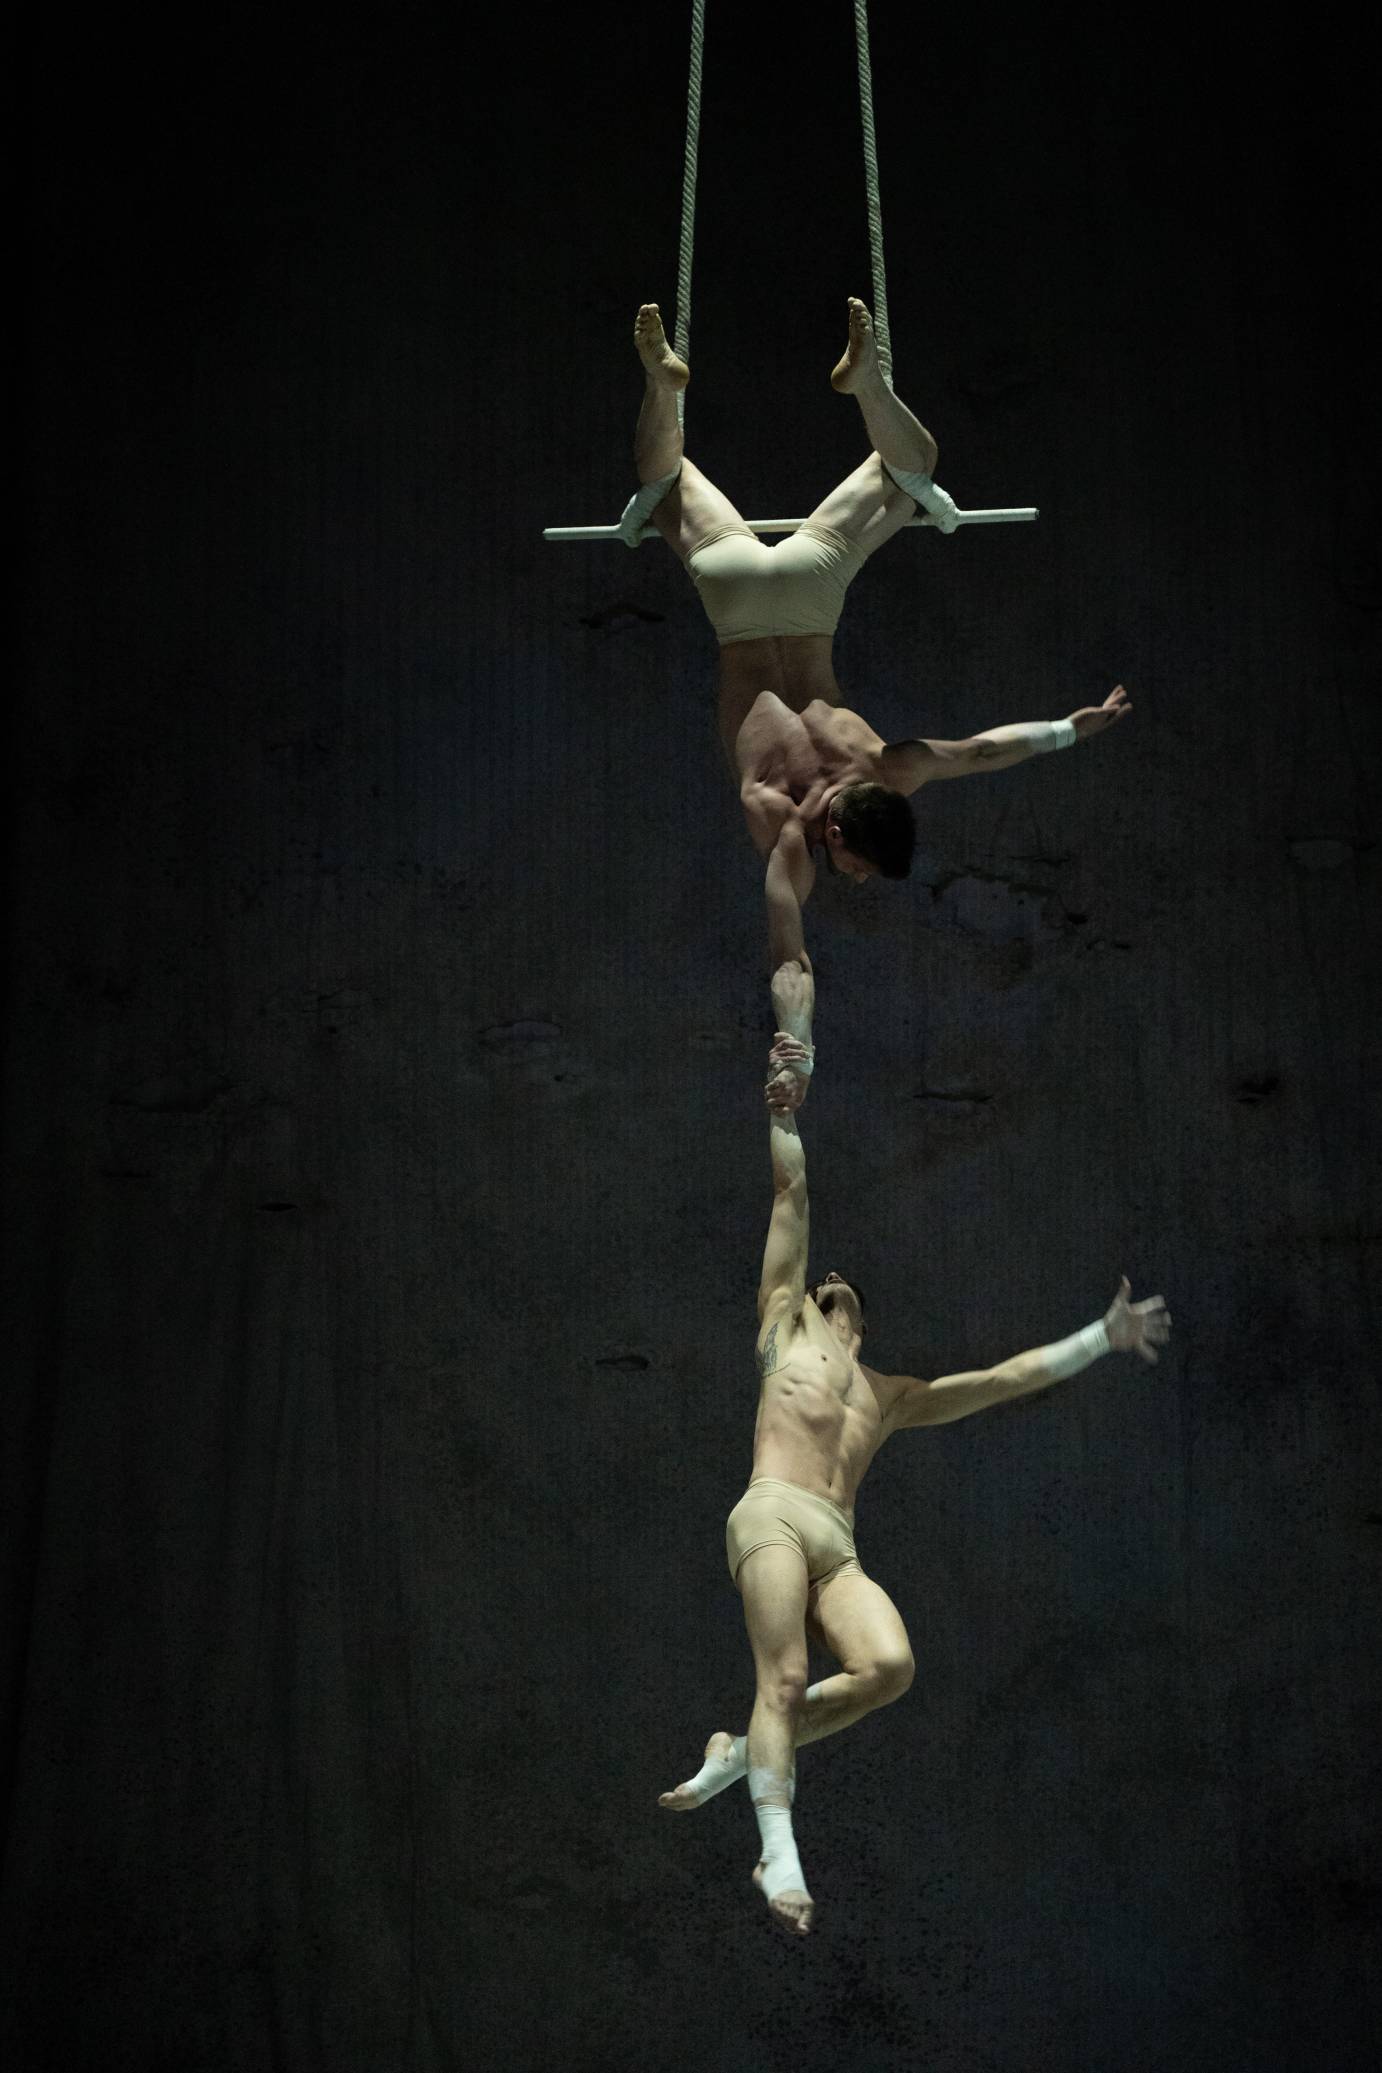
(870, 829)
(841, 1304)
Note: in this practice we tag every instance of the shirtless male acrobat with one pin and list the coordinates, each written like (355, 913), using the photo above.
(812, 773)
(822, 1416)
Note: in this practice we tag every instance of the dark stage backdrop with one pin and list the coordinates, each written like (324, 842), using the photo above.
(386, 1168)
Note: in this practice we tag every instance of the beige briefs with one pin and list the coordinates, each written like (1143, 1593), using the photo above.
(751, 592)
(773, 1514)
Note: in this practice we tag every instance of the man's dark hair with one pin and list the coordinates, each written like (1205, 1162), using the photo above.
(878, 825)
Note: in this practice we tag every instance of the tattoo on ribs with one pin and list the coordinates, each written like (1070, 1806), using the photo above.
(767, 1355)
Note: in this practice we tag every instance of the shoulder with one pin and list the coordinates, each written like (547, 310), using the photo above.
(836, 729)
(767, 723)
(904, 766)
(765, 795)
(899, 1397)
(842, 719)
(768, 809)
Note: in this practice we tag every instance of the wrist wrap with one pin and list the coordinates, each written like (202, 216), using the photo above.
(1068, 1356)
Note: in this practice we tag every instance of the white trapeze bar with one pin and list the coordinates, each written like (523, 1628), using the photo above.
(773, 525)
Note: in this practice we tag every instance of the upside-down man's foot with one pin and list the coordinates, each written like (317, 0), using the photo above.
(860, 362)
(659, 360)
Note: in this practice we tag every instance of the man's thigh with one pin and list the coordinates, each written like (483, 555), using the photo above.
(867, 507)
(858, 1622)
(773, 1585)
(692, 509)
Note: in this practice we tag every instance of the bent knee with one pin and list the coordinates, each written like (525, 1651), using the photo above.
(892, 1675)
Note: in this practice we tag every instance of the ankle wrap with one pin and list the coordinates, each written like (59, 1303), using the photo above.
(719, 1772)
(782, 1871)
(936, 501)
(642, 505)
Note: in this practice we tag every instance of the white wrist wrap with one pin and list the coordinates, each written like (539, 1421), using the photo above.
(1056, 734)
(925, 492)
(641, 507)
(1068, 1356)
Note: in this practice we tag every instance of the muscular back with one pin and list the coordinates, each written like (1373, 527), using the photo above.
(821, 1413)
(788, 762)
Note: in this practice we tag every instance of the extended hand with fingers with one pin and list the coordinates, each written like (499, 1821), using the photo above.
(1137, 1327)
(1093, 719)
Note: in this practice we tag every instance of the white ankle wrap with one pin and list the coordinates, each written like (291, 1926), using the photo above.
(928, 495)
(642, 505)
(717, 1772)
(782, 1871)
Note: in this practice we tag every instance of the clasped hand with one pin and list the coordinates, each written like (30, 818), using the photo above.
(789, 1063)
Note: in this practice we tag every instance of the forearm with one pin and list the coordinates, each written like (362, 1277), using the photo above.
(788, 1155)
(787, 884)
(794, 998)
(785, 940)
(1026, 1373)
(999, 747)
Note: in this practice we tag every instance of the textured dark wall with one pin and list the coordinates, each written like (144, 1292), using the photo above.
(386, 1169)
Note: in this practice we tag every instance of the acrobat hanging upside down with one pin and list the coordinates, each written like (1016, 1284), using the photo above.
(812, 774)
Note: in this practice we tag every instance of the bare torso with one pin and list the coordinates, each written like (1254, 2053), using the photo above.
(783, 726)
(822, 1415)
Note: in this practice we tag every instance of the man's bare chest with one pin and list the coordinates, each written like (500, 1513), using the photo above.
(821, 1386)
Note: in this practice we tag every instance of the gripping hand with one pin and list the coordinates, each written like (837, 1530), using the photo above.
(789, 1068)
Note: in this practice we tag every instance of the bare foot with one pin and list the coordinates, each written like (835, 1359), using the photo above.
(860, 362)
(793, 1910)
(681, 1799)
(657, 356)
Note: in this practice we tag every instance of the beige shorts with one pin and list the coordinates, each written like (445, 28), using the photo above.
(751, 591)
(773, 1514)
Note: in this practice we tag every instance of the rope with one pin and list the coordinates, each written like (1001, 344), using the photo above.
(681, 337)
(880, 284)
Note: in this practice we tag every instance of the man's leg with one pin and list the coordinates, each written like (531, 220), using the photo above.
(862, 1628)
(772, 1582)
(692, 506)
(868, 507)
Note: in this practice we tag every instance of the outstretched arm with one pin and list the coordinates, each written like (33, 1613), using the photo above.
(907, 765)
(1125, 1327)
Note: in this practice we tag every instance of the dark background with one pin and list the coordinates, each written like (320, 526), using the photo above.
(385, 1161)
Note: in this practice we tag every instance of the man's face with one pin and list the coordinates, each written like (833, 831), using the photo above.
(834, 1298)
(843, 862)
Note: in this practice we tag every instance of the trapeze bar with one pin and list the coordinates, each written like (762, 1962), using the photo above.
(773, 525)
